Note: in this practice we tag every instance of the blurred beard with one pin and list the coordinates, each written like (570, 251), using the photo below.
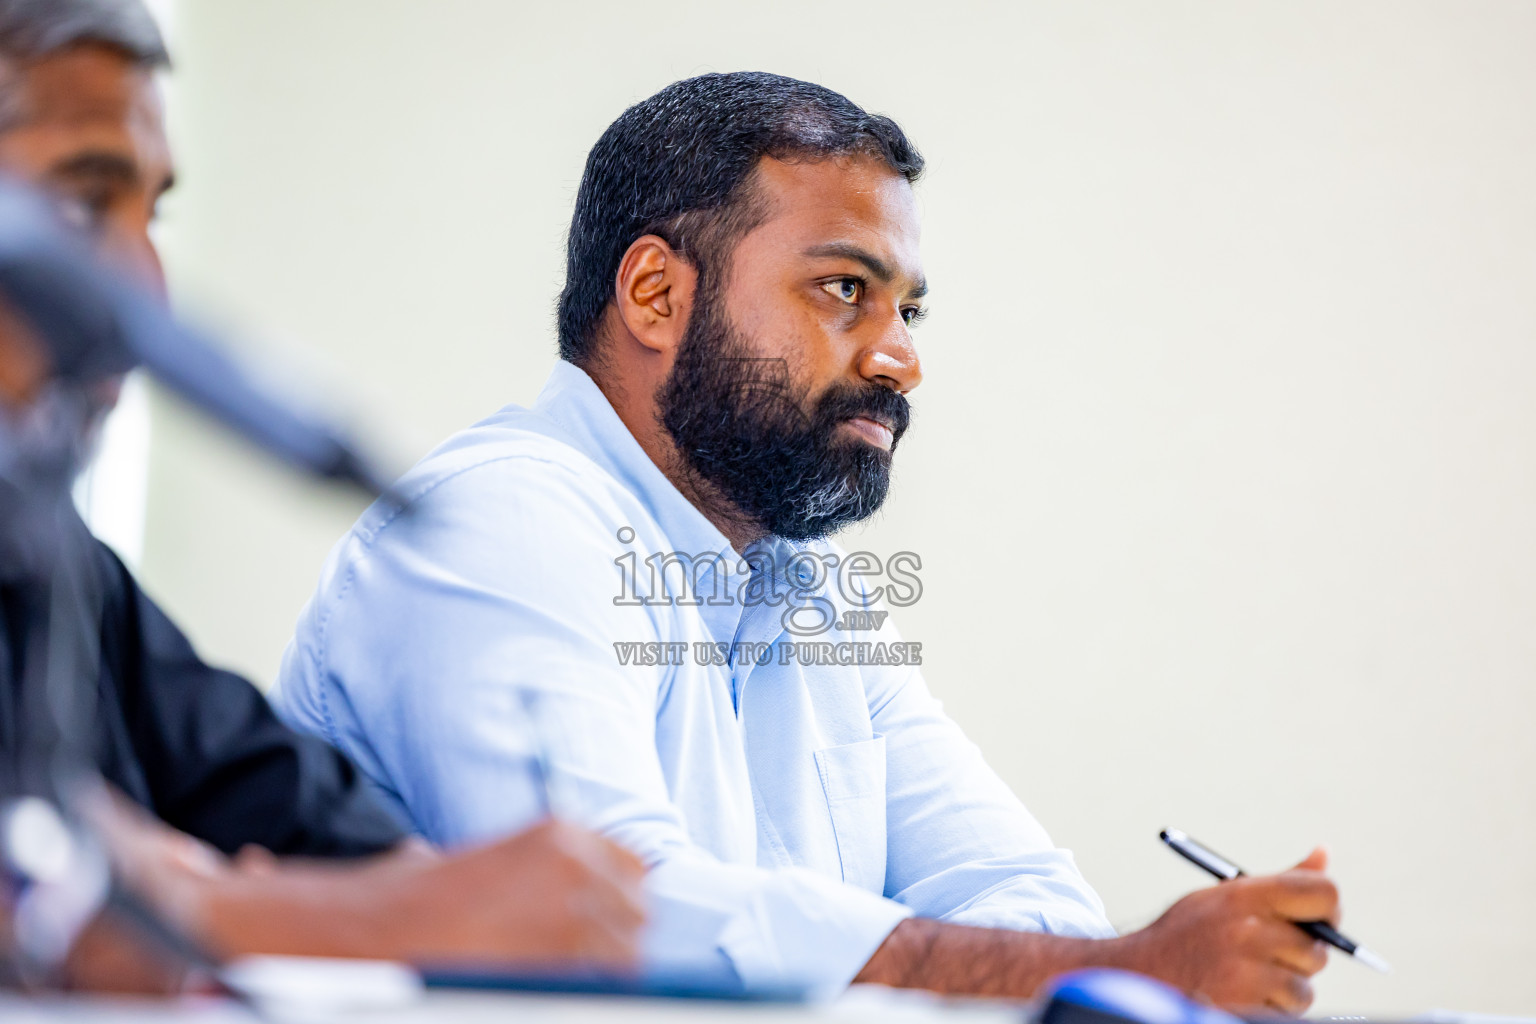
(766, 446)
(42, 449)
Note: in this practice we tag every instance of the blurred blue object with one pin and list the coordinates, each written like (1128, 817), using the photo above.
(702, 984)
(1102, 995)
(96, 324)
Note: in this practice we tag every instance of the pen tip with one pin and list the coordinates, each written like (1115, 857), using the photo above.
(1370, 959)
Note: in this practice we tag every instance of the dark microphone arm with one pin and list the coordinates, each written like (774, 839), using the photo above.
(92, 324)
(96, 324)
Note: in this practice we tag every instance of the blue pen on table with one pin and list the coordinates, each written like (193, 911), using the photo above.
(1216, 864)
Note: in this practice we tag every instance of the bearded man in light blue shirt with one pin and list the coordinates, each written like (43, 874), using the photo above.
(619, 605)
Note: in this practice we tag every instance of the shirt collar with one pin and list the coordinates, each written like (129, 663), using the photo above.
(575, 402)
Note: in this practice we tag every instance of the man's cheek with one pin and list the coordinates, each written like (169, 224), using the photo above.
(23, 360)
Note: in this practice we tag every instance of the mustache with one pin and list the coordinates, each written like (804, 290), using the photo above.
(871, 401)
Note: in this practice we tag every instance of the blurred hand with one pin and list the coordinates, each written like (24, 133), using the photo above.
(153, 861)
(555, 893)
(552, 893)
(1235, 944)
(111, 956)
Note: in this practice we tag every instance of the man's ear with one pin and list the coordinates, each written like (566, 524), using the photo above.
(654, 292)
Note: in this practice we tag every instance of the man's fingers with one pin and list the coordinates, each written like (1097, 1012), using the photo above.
(253, 860)
(608, 923)
(621, 945)
(599, 937)
(590, 885)
(1286, 991)
(613, 904)
(1282, 943)
(621, 862)
(1298, 895)
(609, 889)
(1317, 860)
(620, 870)
(604, 854)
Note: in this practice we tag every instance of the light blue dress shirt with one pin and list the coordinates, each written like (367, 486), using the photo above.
(469, 652)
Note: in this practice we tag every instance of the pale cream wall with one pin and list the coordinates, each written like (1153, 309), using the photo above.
(1224, 472)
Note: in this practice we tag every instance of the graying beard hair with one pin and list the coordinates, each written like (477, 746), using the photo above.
(819, 504)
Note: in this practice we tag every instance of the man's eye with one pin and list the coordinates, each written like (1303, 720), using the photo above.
(85, 212)
(848, 289)
(76, 213)
(913, 315)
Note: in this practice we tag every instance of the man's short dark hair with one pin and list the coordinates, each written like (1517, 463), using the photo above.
(33, 29)
(679, 164)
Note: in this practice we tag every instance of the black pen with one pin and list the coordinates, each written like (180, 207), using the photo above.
(1225, 870)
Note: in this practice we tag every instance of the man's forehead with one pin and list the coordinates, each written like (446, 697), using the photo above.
(87, 85)
(854, 197)
(90, 100)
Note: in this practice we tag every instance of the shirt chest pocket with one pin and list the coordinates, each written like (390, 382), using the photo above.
(853, 781)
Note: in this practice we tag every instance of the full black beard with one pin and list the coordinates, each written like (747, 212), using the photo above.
(766, 446)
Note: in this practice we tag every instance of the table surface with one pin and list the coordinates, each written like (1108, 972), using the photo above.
(858, 1006)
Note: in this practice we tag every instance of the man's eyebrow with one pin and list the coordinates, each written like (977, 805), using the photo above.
(874, 264)
(100, 164)
(105, 165)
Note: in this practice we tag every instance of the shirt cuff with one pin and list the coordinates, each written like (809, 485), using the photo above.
(804, 929)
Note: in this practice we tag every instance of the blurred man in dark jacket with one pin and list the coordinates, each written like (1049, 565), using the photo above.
(226, 790)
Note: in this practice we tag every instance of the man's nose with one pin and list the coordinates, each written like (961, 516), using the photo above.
(892, 359)
(135, 254)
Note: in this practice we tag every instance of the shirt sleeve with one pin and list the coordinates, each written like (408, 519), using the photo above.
(507, 634)
(961, 846)
(215, 760)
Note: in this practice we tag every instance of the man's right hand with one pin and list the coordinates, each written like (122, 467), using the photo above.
(553, 893)
(1237, 944)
